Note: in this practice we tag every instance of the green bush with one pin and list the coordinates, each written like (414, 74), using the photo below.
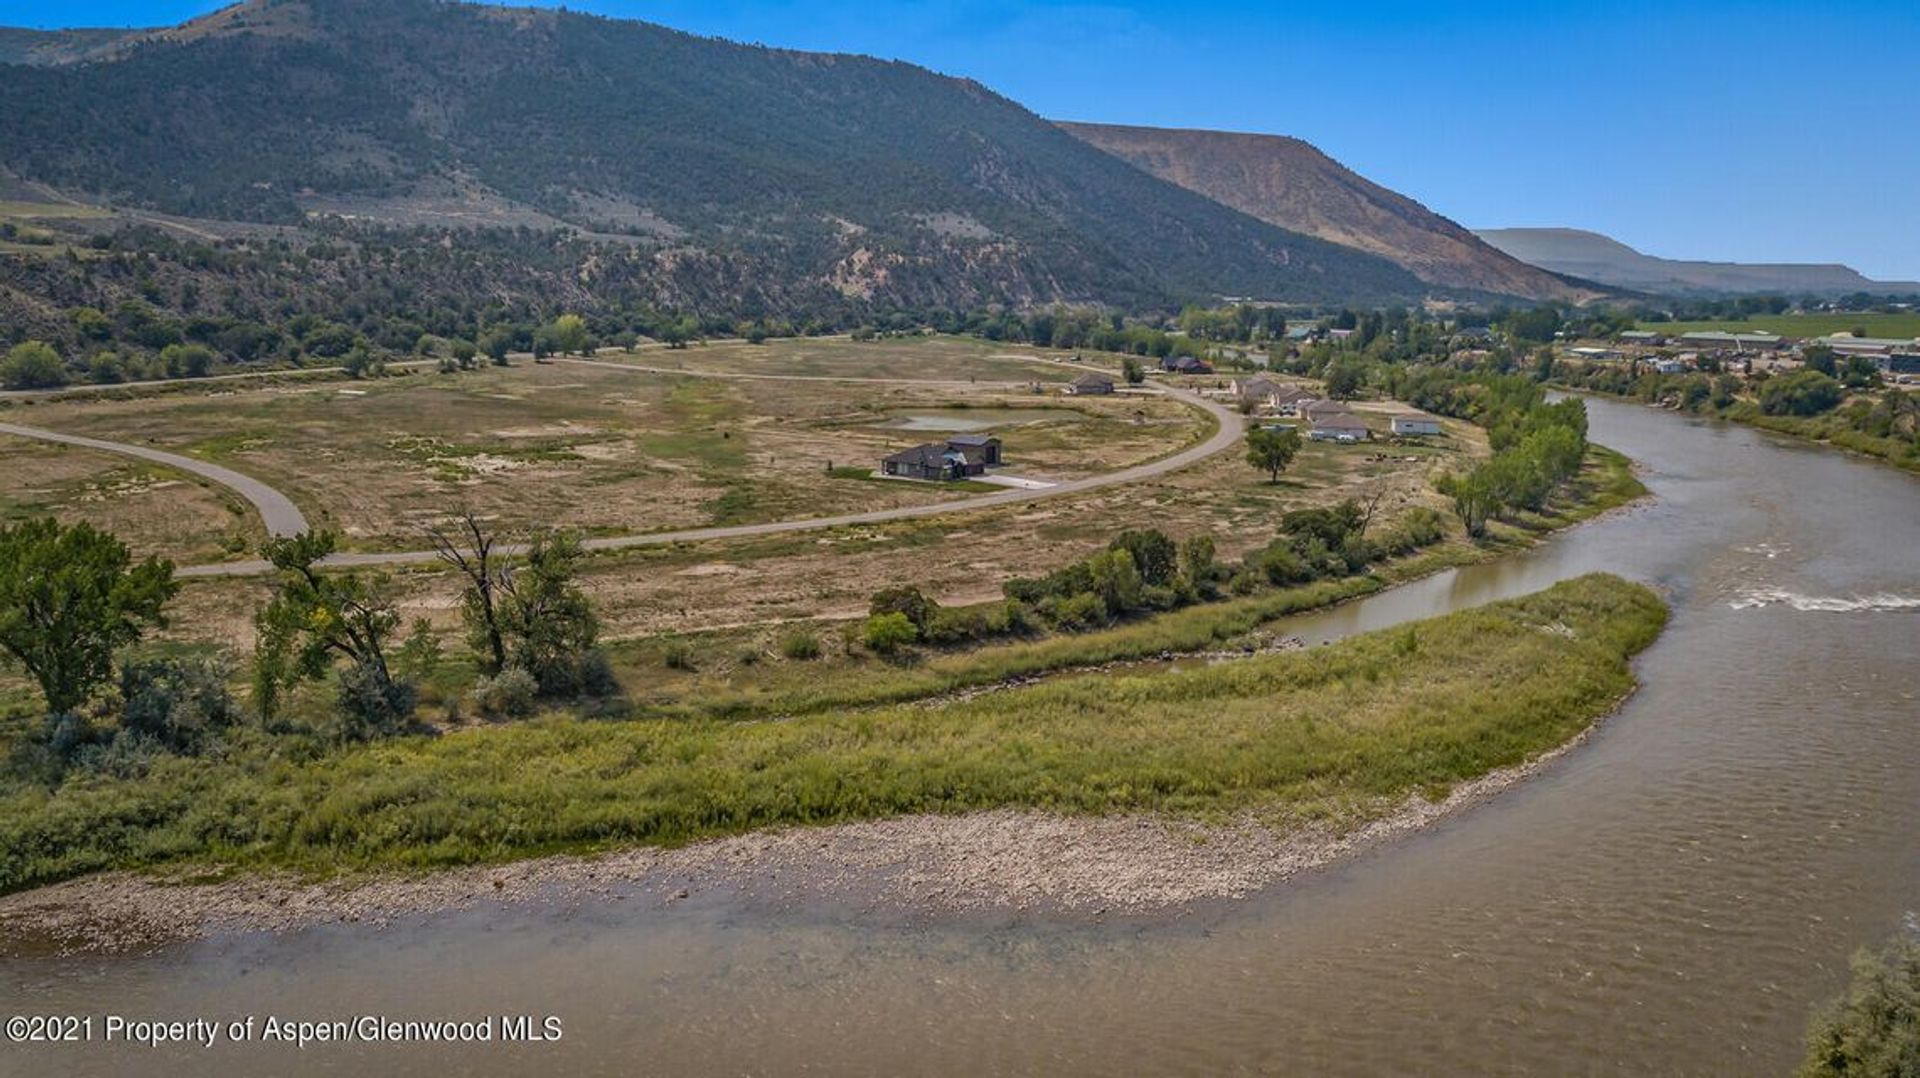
(801, 646)
(886, 634)
(32, 365)
(510, 694)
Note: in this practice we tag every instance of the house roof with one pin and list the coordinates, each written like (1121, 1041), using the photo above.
(1326, 407)
(932, 454)
(1339, 421)
(1088, 380)
(1416, 417)
(1259, 387)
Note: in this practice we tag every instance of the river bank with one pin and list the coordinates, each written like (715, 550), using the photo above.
(1131, 793)
(913, 866)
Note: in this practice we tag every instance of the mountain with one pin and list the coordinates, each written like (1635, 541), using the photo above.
(775, 177)
(18, 46)
(1289, 183)
(1601, 258)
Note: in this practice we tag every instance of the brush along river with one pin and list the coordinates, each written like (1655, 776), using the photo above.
(1672, 896)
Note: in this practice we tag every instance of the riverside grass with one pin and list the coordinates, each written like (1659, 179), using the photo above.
(1339, 735)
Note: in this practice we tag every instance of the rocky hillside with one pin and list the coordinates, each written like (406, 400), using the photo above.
(1289, 183)
(880, 182)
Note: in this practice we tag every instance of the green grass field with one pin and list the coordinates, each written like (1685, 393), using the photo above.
(1805, 325)
(1339, 734)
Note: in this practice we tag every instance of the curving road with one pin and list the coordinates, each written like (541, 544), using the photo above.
(282, 518)
(277, 511)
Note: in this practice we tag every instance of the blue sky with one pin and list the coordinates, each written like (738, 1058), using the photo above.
(1750, 130)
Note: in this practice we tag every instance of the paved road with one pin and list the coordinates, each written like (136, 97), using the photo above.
(277, 511)
(283, 518)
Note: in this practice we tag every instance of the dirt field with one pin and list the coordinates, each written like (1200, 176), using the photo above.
(604, 450)
(155, 509)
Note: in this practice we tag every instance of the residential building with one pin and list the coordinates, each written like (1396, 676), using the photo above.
(1088, 385)
(1339, 427)
(1418, 424)
(961, 456)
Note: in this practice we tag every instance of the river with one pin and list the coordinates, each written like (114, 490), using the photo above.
(1674, 897)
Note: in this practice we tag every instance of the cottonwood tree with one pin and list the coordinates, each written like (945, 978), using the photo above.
(70, 597)
(531, 615)
(316, 620)
(468, 548)
(1272, 450)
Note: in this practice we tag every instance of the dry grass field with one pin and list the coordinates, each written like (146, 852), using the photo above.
(604, 450)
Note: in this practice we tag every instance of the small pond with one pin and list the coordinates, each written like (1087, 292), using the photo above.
(972, 419)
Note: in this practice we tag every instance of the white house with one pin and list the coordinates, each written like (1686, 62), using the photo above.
(1416, 423)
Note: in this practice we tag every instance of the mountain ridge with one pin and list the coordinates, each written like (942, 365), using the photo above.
(1290, 183)
(1593, 255)
(877, 179)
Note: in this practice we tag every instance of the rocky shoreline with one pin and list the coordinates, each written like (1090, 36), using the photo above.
(1003, 860)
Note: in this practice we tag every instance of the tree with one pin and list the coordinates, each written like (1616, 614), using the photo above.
(1473, 502)
(1153, 553)
(495, 344)
(1272, 449)
(1875, 1028)
(469, 550)
(1131, 369)
(187, 360)
(32, 365)
(568, 333)
(1343, 379)
(549, 625)
(69, 598)
(1804, 392)
(316, 619)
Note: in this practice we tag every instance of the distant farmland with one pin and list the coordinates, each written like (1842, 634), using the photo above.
(1805, 325)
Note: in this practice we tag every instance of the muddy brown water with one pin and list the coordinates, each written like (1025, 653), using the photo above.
(1674, 897)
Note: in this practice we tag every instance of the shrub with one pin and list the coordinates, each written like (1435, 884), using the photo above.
(1804, 392)
(906, 600)
(1154, 554)
(677, 654)
(801, 646)
(1875, 1028)
(510, 694)
(887, 633)
(372, 703)
(179, 704)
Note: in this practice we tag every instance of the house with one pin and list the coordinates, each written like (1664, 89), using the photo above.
(1645, 338)
(1315, 409)
(985, 446)
(1088, 385)
(961, 456)
(1254, 388)
(1416, 423)
(1904, 362)
(1340, 427)
(1185, 365)
(1289, 400)
(1671, 366)
(1340, 334)
(1595, 355)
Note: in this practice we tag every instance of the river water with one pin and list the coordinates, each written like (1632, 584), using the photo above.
(1674, 897)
